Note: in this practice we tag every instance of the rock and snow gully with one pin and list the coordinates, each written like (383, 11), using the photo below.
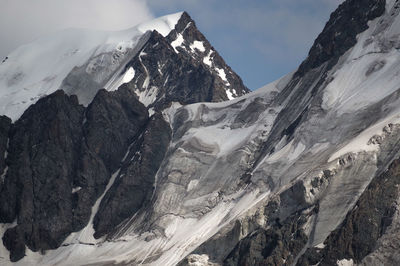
(129, 152)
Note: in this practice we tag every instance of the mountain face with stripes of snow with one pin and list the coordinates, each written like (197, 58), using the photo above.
(74, 105)
(149, 57)
(143, 147)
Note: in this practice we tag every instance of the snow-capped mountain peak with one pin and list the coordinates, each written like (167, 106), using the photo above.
(82, 61)
(152, 171)
(39, 68)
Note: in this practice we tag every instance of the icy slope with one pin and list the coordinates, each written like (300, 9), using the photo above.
(191, 206)
(273, 177)
(38, 69)
(291, 145)
(81, 62)
(66, 147)
(373, 63)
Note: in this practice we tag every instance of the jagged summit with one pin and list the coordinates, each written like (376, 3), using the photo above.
(81, 62)
(304, 171)
(89, 100)
(188, 40)
(340, 32)
(182, 67)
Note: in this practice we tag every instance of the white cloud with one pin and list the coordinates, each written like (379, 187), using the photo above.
(22, 21)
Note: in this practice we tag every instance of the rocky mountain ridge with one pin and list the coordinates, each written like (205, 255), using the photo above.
(58, 157)
(303, 171)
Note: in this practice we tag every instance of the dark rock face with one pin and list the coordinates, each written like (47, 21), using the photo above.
(279, 242)
(61, 155)
(339, 34)
(5, 125)
(134, 185)
(43, 152)
(170, 74)
(14, 240)
(173, 77)
(219, 246)
(114, 119)
(278, 245)
(119, 117)
(364, 225)
(54, 149)
(187, 28)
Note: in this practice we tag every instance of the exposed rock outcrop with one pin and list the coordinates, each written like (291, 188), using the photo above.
(43, 151)
(278, 177)
(135, 183)
(277, 245)
(182, 67)
(61, 155)
(357, 236)
(5, 125)
(56, 147)
(340, 32)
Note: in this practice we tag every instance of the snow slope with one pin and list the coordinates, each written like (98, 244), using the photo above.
(39, 68)
(345, 139)
(373, 63)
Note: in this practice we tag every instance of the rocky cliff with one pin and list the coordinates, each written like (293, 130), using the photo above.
(158, 168)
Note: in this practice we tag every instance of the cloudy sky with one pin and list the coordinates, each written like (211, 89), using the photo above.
(261, 39)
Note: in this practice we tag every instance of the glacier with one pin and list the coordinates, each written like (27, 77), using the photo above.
(299, 153)
(39, 68)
